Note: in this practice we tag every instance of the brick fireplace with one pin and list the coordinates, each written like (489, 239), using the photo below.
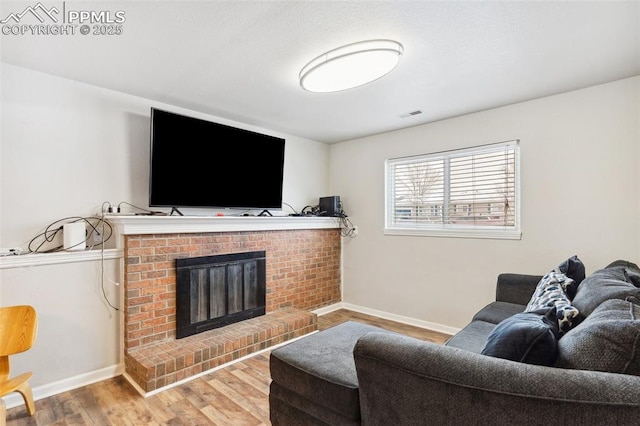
(302, 274)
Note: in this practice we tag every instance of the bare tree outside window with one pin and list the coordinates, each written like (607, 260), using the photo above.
(418, 188)
(469, 189)
(507, 189)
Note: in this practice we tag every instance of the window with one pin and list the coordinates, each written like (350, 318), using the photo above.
(472, 192)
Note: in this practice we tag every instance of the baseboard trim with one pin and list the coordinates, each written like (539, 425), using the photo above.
(15, 399)
(389, 316)
(328, 309)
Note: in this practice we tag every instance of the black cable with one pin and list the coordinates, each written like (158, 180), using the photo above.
(310, 211)
(104, 292)
(294, 210)
(347, 229)
(52, 230)
(135, 207)
(103, 222)
(93, 223)
(109, 209)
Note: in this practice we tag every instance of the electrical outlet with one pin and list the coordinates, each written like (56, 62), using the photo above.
(97, 237)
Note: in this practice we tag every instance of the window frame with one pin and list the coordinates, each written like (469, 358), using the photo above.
(447, 229)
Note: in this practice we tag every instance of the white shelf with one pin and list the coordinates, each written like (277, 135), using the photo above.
(39, 259)
(135, 225)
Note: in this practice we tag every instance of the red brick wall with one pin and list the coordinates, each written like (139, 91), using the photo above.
(303, 271)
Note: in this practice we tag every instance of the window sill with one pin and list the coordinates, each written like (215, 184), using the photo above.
(496, 234)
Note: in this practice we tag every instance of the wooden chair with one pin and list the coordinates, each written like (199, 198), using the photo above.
(18, 329)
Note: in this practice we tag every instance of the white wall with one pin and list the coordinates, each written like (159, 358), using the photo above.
(78, 333)
(580, 184)
(66, 148)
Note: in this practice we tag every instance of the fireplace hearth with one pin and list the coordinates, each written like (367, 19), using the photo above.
(214, 291)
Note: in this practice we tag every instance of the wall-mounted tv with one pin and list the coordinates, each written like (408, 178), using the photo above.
(199, 163)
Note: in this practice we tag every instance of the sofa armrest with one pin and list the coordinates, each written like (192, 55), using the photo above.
(516, 288)
(406, 381)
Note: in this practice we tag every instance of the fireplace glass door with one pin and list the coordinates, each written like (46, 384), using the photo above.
(214, 291)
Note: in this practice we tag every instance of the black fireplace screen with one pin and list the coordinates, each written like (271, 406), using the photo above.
(214, 291)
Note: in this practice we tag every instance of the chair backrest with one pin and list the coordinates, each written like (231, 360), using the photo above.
(18, 329)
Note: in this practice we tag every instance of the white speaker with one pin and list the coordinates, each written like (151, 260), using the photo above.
(74, 236)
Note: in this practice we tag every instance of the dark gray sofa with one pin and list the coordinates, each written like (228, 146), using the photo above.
(358, 374)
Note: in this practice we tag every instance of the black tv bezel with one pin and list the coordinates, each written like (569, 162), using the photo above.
(249, 206)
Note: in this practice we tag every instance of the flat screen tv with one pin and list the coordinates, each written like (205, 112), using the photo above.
(199, 163)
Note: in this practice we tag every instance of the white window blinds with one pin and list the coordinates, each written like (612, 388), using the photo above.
(470, 192)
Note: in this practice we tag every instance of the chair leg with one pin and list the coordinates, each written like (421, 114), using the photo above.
(25, 390)
(3, 413)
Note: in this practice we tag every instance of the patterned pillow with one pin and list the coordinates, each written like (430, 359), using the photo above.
(551, 293)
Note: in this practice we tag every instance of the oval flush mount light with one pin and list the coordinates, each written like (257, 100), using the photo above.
(351, 66)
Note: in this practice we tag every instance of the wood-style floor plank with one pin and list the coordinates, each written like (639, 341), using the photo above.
(234, 395)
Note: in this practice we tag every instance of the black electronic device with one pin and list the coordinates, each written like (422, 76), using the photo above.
(330, 206)
(199, 163)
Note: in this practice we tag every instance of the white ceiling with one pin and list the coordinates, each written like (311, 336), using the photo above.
(240, 59)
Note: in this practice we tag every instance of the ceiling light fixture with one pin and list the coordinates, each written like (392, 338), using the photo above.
(351, 66)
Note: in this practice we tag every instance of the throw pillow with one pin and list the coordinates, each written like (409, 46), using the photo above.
(616, 281)
(607, 340)
(528, 337)
(573, 268)
(550, 293)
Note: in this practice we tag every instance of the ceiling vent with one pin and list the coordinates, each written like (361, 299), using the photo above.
(410, 114)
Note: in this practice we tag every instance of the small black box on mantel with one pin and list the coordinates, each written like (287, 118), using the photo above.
(330, 206)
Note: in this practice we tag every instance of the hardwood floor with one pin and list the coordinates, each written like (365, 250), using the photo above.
(235, 395)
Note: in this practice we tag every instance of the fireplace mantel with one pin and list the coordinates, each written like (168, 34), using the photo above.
(142, 225)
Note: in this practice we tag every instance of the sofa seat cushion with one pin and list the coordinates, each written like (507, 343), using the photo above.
(616, 281)
(608, 340)
(473, 337)
(496, 312)
(320, 368)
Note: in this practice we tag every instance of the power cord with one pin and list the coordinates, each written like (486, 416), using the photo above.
(97, 226)
(295, 212)
(48, 236)
(146, 211)
(311, 211)
(347, 229)
(102, 271)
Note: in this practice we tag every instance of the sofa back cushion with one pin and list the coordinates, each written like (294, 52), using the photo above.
(607, 340)
(616, 281)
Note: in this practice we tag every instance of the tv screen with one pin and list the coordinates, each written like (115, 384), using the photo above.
(199, 163)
